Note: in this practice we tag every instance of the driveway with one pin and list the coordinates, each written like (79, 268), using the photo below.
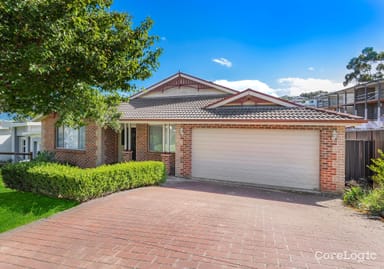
(199, 225)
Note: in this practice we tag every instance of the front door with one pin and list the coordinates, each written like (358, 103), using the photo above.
(133, 143)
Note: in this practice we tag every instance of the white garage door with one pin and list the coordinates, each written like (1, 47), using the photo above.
(288, 158)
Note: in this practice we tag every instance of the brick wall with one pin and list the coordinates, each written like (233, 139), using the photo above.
(142, 153)
(332, 159)
(331, 151)
(110, 146)
(83, 158)
(332, 155)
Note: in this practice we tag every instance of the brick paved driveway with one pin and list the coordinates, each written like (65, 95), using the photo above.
(198, 225)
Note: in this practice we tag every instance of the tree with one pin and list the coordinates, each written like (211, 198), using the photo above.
(311, 95)
(368, 66)
(73, 57)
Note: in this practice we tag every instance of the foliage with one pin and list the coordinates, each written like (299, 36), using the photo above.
(63, 181)
(353, 196)
(71, 57)
(45, 156)
(368, 66)
(371, 201)
(19, 208)
(374, 202)
(377, 167)
(311, 95)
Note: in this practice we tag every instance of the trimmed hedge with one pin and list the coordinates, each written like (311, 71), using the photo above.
(69, 182)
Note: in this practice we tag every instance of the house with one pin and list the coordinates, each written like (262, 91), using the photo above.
(364, 100)
(5, 140)
(19, 137)
(203, 130)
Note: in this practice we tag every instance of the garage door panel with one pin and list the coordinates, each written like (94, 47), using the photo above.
(288, 158)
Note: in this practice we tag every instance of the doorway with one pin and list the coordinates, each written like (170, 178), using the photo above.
(133, 143)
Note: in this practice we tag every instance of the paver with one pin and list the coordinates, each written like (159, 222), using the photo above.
(193, 224)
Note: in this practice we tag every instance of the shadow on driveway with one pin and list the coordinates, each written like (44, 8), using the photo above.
(249, 191)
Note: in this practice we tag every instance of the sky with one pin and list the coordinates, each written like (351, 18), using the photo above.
(276, 47)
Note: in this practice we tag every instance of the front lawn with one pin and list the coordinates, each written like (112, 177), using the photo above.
(19, 208)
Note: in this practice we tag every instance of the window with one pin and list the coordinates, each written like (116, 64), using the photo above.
(70, 138)
(162, 138)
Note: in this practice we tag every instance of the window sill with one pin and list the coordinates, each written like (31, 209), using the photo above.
(161, 152)
(79, 151)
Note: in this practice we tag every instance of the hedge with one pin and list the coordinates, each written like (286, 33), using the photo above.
(69, 182)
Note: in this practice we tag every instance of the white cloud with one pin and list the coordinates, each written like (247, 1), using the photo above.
(223, 61)
(295, 86)
(241, 85)
(163, 38)
(311, 68)
(292, 86)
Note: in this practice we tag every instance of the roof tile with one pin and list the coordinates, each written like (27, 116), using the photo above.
(193, 108)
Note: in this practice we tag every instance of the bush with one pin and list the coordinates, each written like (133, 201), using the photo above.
(353, 195)
(377, 167)
(78, 184)
(371, 201)
(45, 156)
(374, 202)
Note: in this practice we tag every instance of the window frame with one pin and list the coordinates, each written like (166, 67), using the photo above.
(80, 135)
(166, 138)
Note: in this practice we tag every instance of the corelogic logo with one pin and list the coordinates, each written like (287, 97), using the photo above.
(346, 255)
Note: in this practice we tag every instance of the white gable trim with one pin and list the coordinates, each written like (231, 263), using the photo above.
(201, 81)
(253, 93)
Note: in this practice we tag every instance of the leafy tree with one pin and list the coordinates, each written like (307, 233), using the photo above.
(311, 95)
(368, 66)
(73, 57)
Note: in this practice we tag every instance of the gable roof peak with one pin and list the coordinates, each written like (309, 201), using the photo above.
(179, 78)
(257, 94)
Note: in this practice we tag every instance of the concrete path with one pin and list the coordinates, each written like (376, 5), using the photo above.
(199, 225)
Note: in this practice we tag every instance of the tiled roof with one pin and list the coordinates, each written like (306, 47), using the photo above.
(193, 108)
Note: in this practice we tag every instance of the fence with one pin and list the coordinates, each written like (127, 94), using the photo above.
(28, 154)
(360, 147)
(358, 154)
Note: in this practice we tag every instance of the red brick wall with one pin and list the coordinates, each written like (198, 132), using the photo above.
(142, 153)
(332, 159)
(332, 155)
(331, 151)
(110, 146)
(169, 160)
(83, 158)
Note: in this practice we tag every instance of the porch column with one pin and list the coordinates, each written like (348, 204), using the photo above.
(126, 155)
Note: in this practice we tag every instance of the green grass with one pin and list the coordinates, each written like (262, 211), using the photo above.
(19, 208)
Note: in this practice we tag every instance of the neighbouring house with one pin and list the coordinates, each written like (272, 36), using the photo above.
(19, 137)
(364, 100)
(203, 130)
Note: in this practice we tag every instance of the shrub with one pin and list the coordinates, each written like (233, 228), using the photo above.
(45, 156)
(353, 195)
(377, 167)
(78, 184)
(15, 175)
(373, 202)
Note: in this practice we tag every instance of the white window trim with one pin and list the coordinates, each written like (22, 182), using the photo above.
(166, 137)
(79, 137)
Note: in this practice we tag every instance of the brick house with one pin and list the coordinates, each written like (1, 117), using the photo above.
(203, 130)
